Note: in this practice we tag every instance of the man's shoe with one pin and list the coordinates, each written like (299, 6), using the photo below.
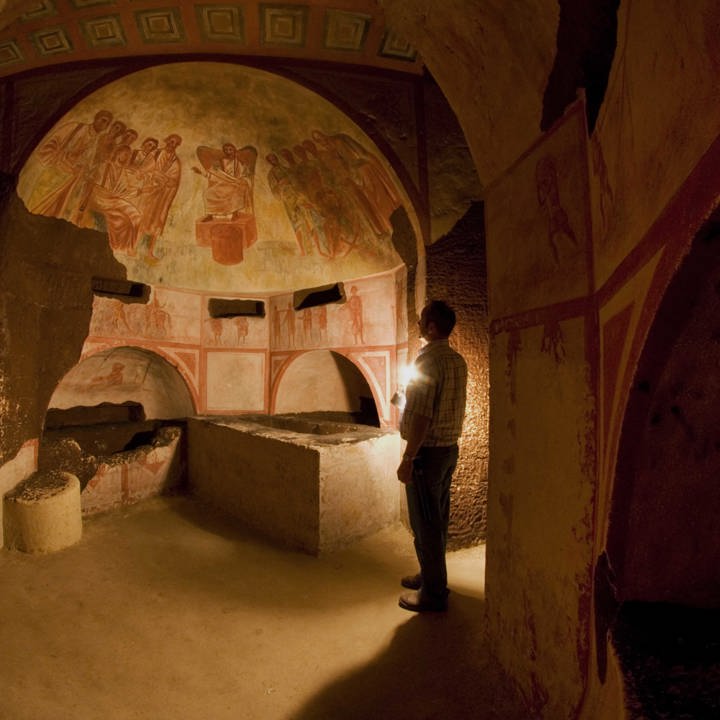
(414, 603)
(412, 582)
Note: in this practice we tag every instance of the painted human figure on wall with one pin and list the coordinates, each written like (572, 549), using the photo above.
(228, 224)
(307, 326)
(157, 319)
(116, 199)
(161, 177)
(242, 328)
(548, 194)
(276, 327)
(290, 325)
(322, 323)
(337, 195)
(100, 181)
(354, 304)
(366, 179)
(114, 377)
(216, 330)
(229, 173)
(148, 146)
(305, 222)
(70, 154)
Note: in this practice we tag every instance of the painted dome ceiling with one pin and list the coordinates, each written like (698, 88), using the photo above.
(219, 177)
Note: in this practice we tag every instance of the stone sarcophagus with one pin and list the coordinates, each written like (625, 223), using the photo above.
(310, 485)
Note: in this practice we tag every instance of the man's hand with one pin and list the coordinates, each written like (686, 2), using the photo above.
(405, 471)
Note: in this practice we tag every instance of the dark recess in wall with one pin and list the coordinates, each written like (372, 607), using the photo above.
(220, 308)
(323, 295)
(586, 43)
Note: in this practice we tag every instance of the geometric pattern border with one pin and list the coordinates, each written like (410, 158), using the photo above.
(42, 8)
(284, 25)
(394, 46)
(161, 25)
(53, 29)
(51, 41)
(345, 30)
(103, 31)
(10, 53)
(221, 23)
(80, 4)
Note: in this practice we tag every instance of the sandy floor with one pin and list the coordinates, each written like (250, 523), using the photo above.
(168, 611)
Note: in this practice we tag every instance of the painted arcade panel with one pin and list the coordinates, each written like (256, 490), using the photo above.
(235, 382)
(247, 192)
(241, 331)
(537, 219)
(169, 316)
(368, 317)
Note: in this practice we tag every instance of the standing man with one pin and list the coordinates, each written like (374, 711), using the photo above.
(431, 424)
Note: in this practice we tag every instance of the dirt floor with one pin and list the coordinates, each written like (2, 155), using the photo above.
(168, 611)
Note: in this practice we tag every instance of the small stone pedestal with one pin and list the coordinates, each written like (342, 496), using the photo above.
(42, 514)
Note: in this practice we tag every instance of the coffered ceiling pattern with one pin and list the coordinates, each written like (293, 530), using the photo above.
(50, 31)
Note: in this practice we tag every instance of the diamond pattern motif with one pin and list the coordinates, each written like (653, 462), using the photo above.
(91, 3)
(52, 41)
(345, 31)
(103, 31)
(396, 47)
(314, 30)
(223, 23)
(42, 8)
(160, 26)
(10, 53)
(283, 24)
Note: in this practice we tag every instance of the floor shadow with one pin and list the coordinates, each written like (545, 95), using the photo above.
(437, 667)
(248, 571)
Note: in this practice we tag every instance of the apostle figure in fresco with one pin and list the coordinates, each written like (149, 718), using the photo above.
(363, 175)
(343, 227)
(282, 187)
(107, 143)
(148, 146)
(116, 199)
(229, 173)
(70, 153)
(161, 177)
(324, 223)
(128, 137)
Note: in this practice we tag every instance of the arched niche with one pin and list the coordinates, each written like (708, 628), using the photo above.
(123, 375)
(662, 538)
(325, 382)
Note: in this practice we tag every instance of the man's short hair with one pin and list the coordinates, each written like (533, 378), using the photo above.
(442, 315)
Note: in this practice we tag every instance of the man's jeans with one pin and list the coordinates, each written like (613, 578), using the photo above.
(428, 499)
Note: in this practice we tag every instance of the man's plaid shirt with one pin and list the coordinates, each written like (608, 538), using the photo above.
(437, 392)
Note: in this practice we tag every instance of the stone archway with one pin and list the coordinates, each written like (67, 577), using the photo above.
(662, 549)
(325, 382)
(662, 540)
(126, 374)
